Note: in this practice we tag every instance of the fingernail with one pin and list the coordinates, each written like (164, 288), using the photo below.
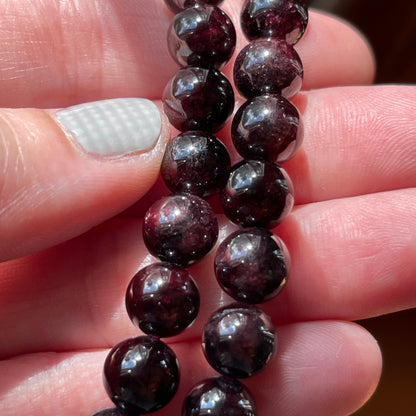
(113, 127)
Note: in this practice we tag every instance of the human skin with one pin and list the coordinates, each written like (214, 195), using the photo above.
(70, 223)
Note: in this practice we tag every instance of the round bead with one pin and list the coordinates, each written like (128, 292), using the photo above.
(162, 300)
(177, 5)
(198, 99)
(141, 375)
(257, 194)
(218, 397)
(268, 66)
(252, 265)
(286, 20)
(180, 229)
(239, 340)
(195, 162)
(202, 36)
(267, 127)
(111, 412)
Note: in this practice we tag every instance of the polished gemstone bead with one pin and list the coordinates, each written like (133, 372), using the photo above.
(239, 340)
(111, 412)
(268, 66)
(257, 194)
(195, 162)
(198, 99)
(141, 375)
(162, 300)
(202, 36)
(283, 19)
(180, 229)
(267, 127)
(177, 5)
(219, 397)
(252, 265)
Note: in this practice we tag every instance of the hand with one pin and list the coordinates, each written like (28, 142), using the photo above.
(69, 245)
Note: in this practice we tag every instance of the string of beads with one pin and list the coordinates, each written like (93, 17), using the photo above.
(141, 374)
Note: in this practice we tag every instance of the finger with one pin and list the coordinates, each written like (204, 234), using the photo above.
(292, 385)
(78, 285)
(358, 140)
(119, 51)
(351, 259)
(122, 51)
(348, 60)
(332, 51)
(64, 172)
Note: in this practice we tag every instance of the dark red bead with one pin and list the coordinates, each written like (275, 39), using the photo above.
(239, 340)
(177, 5)
(252, 265)
(257, 194)
(283, 19)
(267, 127)
(141, 375)
(195, 162)
(111, 412)
(202, 36)
(198, 99)
(180, 229)
(268, 66)
(162, 300)
(219, 397)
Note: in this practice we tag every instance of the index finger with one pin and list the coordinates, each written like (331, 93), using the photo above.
(55, 54)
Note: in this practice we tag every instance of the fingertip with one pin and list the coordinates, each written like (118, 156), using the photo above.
(334, 52)
(65, 172)
(332, 367)
(369, 360)
(354, 365)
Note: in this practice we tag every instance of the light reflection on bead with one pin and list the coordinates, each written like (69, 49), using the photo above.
(195, 162)
(252, 265)
(141, 375)
(267, 127)
(177, 5)
(218, 397)
(162, 300)
(286, 20)
(239, 340)
(180, 229)
(198, 99)
(257, 194)
(268, 66)
(202, 36)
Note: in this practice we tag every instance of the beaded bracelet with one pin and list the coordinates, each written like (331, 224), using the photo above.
(141, 375)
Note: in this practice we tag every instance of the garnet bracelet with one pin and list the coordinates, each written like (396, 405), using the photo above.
(141, 375)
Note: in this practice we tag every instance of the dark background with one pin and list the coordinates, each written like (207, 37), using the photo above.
(390, 27)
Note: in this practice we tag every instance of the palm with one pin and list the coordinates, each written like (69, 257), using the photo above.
(351, 235)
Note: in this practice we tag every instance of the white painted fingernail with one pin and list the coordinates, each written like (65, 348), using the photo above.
(113, 127)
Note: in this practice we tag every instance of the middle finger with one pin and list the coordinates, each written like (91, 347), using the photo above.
(54, 54)
(358, 140)
(348, 259)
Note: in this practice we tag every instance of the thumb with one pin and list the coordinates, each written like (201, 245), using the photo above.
(62, 172)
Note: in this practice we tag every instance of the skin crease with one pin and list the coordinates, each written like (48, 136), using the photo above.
(70, 247)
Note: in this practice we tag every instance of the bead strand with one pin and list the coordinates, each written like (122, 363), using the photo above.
(252, 264)
(141, 374)
(233, 392)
